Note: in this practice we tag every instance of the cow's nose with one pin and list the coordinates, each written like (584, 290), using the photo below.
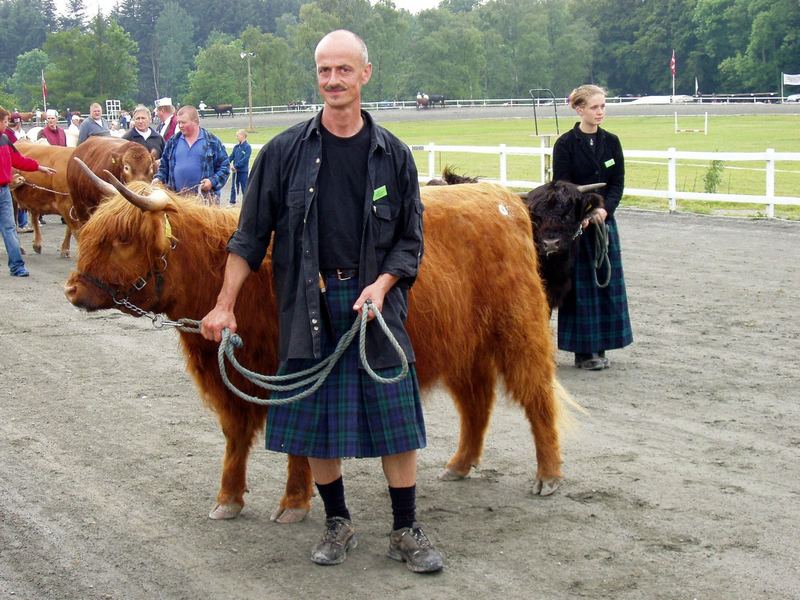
(70, 290)
(551, 245)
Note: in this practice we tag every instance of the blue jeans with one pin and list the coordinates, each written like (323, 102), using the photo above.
(9, 227)
(22, 217)
(239, 183)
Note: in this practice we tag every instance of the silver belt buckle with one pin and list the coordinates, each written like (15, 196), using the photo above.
(341, 277)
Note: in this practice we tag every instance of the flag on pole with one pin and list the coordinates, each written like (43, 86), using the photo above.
(44, 87)
(791, 79)
(672, 64)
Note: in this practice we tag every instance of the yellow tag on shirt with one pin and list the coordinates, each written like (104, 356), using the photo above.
(609, 163)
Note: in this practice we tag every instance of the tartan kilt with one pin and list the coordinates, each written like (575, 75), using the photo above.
(593, 319)
(350, 415)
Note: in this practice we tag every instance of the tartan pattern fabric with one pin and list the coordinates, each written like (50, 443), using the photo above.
(593, 319)
(350, 415)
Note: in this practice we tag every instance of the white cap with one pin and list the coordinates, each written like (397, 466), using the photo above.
(52, 113)
(76, 117)
(163, 102)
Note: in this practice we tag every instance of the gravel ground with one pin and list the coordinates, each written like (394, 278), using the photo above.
(681, 481)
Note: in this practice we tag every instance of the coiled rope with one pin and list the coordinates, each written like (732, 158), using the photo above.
(315, 375)
(601, 254)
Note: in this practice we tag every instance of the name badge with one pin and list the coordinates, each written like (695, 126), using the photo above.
(379, 193)
(609, 163)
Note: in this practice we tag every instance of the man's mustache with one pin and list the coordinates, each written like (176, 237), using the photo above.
(335, 88)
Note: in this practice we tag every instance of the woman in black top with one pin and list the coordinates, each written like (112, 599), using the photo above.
(593, 319)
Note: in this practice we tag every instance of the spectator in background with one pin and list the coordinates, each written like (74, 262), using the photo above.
(194, 159)
(10, 157)
(115, 130)
(167, 119)
(143, 134)
(240, 164)
(74, 130)
(15, 131)
(124, 120)
(94, 125)
(51, 132)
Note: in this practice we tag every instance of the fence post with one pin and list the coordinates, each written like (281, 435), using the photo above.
(770, 183)
(431, 160)
(503, 165)
(671, 180)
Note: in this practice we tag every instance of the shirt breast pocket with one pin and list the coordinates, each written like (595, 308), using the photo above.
(385, 220)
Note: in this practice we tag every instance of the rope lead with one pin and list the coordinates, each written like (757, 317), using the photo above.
(601, 254)
(314, 376)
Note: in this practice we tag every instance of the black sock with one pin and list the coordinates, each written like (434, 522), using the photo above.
(332, 495)
(404, 506)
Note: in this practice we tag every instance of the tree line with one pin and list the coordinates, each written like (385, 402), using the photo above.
(190, 50)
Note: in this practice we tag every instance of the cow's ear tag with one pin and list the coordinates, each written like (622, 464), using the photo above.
(167, 228)
(113, 160)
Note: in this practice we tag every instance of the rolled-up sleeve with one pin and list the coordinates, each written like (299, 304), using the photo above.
(404, 258)
(258, 216)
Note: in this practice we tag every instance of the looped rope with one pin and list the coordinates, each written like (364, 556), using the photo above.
(39, 187)
(601, 254)
(315, 375)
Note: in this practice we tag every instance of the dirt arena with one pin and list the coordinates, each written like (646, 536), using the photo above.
(681, 481)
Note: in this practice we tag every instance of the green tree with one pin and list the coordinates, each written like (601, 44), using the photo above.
(138, 18)
(94, 66)
(74, 16)
(26, 83)
(270, 67)
(219, 74)
(174, 51)
(25, 27)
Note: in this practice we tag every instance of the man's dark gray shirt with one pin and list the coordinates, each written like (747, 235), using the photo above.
(280, 199)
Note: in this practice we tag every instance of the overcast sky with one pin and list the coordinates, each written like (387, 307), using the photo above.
(413, 6)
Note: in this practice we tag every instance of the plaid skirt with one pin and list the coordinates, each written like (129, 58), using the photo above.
(594, 319)
(350, 415)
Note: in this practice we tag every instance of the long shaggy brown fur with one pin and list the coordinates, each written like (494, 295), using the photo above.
(477, 313)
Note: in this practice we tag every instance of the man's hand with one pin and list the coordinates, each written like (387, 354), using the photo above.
(205, 185)
(48, 170)
(215, 321)
(375, 292)
(156, 181)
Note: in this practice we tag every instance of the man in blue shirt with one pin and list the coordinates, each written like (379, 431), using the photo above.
(240, 164)
(194, 160)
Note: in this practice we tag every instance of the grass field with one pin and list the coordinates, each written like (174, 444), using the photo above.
(725, 133)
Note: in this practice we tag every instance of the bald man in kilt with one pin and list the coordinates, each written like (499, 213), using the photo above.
(341, 195)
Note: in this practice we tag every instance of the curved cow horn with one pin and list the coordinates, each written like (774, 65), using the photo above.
(104, 186)
(157, 201)
(590, 187)
(523, 195)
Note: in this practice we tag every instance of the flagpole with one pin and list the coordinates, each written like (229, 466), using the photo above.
(44, 94)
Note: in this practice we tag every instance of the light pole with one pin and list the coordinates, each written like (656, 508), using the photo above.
(249, 55)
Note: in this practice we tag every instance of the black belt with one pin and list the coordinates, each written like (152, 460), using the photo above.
(340, 274)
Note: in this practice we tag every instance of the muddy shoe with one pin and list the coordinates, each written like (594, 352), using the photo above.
(412, 546)
(339, 537)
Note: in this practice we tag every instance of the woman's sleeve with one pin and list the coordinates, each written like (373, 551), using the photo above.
(616, 183)
(562, 161)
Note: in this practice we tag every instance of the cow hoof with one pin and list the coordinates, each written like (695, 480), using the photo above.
(449, 474)
(545, 487)
(287, 516)
(37, 248)
(225, 511)
(64, 254)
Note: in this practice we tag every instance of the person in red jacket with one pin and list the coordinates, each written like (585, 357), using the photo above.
(11, 158)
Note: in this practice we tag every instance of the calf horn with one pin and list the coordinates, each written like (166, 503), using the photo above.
(590, 187)
(158, 200)
(104, 186)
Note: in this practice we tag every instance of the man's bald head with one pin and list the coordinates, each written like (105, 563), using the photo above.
(342, 38)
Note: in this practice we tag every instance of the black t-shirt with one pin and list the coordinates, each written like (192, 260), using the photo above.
(342, 186)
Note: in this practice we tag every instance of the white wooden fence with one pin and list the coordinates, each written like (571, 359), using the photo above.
(671, 156)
